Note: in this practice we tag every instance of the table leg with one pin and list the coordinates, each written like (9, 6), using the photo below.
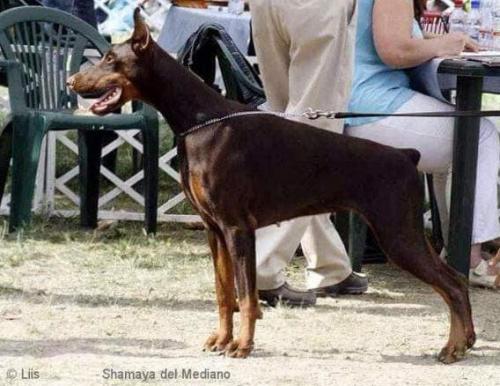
(352, 230)
(469, 91)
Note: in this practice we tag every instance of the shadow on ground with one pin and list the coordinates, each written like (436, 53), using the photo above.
(99, 300)
(112, 346)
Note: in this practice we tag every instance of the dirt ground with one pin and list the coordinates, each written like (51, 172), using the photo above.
(75, 304)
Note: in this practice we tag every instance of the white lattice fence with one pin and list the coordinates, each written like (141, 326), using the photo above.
(121, 197)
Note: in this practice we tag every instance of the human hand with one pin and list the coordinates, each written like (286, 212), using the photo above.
(471, 45)
(455, 43)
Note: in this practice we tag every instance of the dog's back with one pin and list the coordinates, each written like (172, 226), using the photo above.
(263, 158)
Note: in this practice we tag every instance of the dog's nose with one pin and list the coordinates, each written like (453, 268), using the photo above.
(70, 82)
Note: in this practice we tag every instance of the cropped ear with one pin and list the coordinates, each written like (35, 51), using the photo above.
(141, 37)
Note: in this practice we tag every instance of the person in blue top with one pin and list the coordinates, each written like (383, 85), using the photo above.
(388, 42)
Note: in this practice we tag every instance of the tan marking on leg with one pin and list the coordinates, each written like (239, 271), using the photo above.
(224, 287)
(197, 190)
(457, 343)
(250, 312)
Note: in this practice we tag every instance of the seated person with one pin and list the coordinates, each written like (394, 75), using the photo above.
(389, 41)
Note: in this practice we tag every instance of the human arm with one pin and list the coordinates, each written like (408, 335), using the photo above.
(392, 33)
(430, 35)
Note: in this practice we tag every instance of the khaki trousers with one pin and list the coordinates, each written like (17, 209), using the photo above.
(305, 50)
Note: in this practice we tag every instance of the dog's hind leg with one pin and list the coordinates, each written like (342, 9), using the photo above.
(224, 286)
(241, 247)
(396, 218)
(426, 265)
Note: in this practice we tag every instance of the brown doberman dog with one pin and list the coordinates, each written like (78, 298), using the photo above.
(247, 172)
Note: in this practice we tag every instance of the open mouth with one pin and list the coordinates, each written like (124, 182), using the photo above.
(107, 101)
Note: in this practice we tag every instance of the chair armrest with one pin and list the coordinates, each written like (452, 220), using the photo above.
(149, 113)
(15, 84)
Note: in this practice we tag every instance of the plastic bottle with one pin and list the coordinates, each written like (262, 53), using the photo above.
(458, 18)
(474, 21)
(486, 33)
(236, 6)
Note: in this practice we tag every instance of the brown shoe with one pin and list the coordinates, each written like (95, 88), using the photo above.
(288, 296)
(354, 284)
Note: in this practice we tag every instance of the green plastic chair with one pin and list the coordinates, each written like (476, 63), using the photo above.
(6, 129)
(5, 5)
(42, 48)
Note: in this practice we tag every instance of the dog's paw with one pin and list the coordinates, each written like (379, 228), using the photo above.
(236, 349)
(217, 342)
(471, 339)
(452, 353)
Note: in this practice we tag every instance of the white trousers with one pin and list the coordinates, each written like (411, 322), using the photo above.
(433, 138)
(327, 259)
(305, 50)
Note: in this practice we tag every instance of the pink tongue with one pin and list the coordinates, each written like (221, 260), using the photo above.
(99, 105)
(98, 108)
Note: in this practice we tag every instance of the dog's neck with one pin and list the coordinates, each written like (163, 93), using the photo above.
(182, 99)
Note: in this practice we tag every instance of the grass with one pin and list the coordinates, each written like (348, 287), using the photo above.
(123, 241)
(108, 261)
(54, 262)
(174, 245)
(120, 257)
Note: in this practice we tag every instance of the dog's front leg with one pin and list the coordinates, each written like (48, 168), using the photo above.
(241, 247)
(224, 286)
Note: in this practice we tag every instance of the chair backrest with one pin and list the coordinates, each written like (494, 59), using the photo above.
(50, 45)
(433, 22)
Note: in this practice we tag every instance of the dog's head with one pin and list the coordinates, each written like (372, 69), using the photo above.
(113, 80)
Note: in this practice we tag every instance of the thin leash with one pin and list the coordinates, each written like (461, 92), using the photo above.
(317, 114)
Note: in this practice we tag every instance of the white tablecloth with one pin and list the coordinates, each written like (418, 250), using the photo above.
(181, 22)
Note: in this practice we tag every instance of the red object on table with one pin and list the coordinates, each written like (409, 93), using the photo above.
(433, 22)
(190, 3)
